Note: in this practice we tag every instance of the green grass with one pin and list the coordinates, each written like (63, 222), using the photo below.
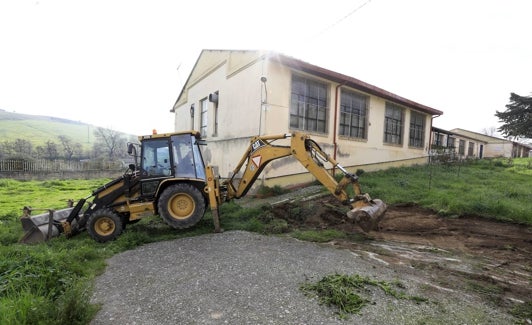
(350, 293)
(523, 312)
(498, 189)
(50, 283)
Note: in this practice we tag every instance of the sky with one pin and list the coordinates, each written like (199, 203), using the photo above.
(121, 64)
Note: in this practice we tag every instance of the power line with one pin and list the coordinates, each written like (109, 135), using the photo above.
(349, 14)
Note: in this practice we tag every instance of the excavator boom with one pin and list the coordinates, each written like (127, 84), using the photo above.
(262, 150)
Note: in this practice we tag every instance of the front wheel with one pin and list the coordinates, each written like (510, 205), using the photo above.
(104, 225)
(181, 206)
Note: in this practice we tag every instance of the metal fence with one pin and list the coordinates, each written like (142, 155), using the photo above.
(43, 165)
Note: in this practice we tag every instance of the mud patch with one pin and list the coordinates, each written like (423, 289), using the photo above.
(470, 254)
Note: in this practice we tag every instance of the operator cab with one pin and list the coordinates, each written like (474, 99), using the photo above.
(166, 156)
(176, 155)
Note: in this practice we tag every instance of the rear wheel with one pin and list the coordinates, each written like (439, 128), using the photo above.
(104, 225)
(181, 206)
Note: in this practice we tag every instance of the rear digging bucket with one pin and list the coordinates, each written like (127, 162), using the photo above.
(37, 228)
(369, 215)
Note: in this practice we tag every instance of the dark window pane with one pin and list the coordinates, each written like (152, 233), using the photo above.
(309, 105)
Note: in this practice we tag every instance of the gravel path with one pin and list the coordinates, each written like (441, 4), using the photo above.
(244, 278)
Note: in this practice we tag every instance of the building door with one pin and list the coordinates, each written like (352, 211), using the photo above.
(481, 151)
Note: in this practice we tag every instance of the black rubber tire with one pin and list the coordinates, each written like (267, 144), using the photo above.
(104, 225)
(181, 206)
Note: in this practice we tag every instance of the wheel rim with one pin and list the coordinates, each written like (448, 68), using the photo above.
(181, 206)
(104, 226)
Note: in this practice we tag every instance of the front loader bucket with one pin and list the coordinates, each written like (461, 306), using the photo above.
(368, 214)
(39, 229)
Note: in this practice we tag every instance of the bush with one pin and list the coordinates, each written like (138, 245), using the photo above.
(266, 191)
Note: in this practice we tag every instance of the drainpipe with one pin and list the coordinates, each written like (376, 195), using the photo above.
(335, 144)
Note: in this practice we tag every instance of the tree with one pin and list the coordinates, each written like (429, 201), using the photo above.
(51, 150)
(22, 148)
(40, 151)
(69, 147)
(517, 118)
(19, 148)
(491, 131)
(6, 149)
(112, 141)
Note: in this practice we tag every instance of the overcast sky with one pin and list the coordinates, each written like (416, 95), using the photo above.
(121, 64)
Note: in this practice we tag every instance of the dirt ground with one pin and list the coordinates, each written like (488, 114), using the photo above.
(478, 256)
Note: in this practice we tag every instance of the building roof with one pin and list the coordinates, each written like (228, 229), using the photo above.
(350, 82)
(479, 136)
(487, 138)
(342, 79)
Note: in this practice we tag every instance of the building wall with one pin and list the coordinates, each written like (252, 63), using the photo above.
(501, 149)
(237, 81)
(247, 106)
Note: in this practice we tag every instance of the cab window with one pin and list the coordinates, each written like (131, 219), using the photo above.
(156, 158)
(187, 157)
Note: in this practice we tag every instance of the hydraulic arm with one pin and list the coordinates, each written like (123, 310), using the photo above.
(262, 150)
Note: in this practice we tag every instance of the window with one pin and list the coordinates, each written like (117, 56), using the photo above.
(450, 142)
(438, 139)
(213, 98)
(461, 147)
(308, 106)
(393, 124)
(353, 108)
(155, 158)
(187, 158)
(417, 130)
(204, 110)
(471, 149)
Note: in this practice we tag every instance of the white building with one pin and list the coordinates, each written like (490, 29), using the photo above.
(231, 96)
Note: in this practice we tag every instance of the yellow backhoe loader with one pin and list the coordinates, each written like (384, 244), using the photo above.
(171, 180)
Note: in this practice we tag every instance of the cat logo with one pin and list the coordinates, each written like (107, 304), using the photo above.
(256, 145)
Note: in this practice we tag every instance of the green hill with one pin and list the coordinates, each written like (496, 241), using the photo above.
(40, 129)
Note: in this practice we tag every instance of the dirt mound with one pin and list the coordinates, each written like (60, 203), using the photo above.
(485, 257)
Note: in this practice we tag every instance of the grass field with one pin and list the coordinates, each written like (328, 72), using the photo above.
(498, 189)
(50, 283)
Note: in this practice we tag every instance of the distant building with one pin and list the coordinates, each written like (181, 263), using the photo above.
(231, 96)
(468, 144)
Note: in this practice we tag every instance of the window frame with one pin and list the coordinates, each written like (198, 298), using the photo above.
(309, 105)
(461, 146)
(451, 141)
(204, 117)
(416, 138)
(358, 103)
(393, 127)
(471, 149)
